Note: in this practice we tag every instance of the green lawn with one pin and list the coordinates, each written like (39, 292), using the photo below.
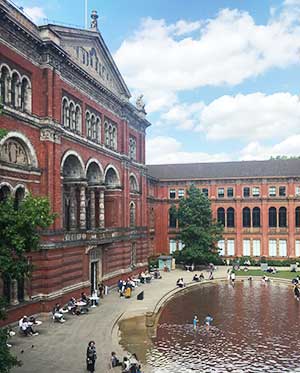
(258, 272)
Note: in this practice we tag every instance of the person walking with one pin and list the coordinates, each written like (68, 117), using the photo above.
(207, 321)
(195, 322)
(296, 292)
(91, 357)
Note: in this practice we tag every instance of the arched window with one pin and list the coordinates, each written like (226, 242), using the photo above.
(106, 133)
(246, 217)
(111, 178)
(230, 217)
(65, 113)
(88, 125)
(256, 217)
(221, 216)
(133, 186)
(282, 217)
(172, 218)
(132, 148)
(4, 84)
(98, 131)
(4, 193)
(132, 214)
(78, 118)
(15, 88)
(94, 127)
(19, 196)
(272, 217)
(297, 217)
(72, 117)
(26, 95)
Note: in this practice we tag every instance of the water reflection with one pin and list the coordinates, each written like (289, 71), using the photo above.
(255, 329)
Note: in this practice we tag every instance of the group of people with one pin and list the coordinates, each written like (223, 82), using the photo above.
(26, 326)
(129, 365)
(180, 283)
(125, 287)
(198, 278)
(207, 321)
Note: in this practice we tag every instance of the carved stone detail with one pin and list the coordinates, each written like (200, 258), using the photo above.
(49, 134)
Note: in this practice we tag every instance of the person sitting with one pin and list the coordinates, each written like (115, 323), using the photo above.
(115, 362)
(72, 307)
(196, 278)
(157, 274)
(57, 314)
(125, 365)
(180, 283)
(201, 277)
(265, 279)
(84, 298)
(26, 328)
(134, 365)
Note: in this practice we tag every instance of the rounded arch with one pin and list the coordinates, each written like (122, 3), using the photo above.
(14, 71)
(111, 176)
(132, 214)
(33, 161)
(230, 217)
(246, 217)
(221, 215)
(4, 65)
(5, 191)
(26, 78)
(133, 183)
(5, 184)
(20, 186)
(94, 171)
(73, 159)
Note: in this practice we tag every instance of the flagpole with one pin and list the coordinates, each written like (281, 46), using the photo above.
(86, 13)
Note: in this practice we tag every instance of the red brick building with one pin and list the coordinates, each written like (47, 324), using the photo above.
(258, 202)
(73, 135)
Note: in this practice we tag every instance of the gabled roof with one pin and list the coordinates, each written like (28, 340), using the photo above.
(225, 170)
(76, 42)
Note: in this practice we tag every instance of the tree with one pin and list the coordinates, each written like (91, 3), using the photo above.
(19, 226)
(198, 231)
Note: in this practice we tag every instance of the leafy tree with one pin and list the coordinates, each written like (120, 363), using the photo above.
(19, 227)
(198, 231)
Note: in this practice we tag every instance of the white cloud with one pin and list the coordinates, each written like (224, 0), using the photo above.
(36, 13)
(251, 117)
(185, 116)
(255, 150)
(225, 50)
(163, 149)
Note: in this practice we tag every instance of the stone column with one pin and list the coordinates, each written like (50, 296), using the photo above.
(92, 212)
(101, 209)
(14, 293)
(26, 289)
(73, 210)
(82, 207)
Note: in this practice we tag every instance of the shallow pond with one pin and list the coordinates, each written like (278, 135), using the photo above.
(256, 328)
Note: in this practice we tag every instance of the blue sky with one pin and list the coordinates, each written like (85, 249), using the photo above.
(221, 79)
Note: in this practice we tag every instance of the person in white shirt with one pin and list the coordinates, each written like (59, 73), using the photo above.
(26, 328)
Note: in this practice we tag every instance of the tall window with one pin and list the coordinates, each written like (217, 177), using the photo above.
(230, 192)
(180, 193)
(15, 90)
(230, 247)
(26, 95)
(172, 193)
(132, 212)
(221, 216)
(297, 217)
(133, 255)
(110, 135)
(132, 147)
(297, 191)
(256, 247)
(256, 217)
(230, 217)
(246, 192)
(272, 217)
(246, 217)
(71, 115)
(221, 246)
(4, 83)
(172, 218)
(205, 191)
(272, 248)
(246, 247)
(282, 217)
(220, 192)
(282, 248)
(65, 113)
(172, 246)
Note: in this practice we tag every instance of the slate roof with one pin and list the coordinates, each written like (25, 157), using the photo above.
(221, 170)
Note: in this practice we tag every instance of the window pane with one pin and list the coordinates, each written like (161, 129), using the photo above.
(246, 247)
(256, 217)
(297, 191)
(272, 248)
(230, 217)
(221, 246)
(230, 247)
(229, 192)
(220, 192)
(246, 192)
(205, 191)
(256, 247)
(282, 191)
(172, 193)
(297, 217)
(255, 192)
(246, 217)
(221, 216)
(172, 246)
(272, 191)
(180, 193)
(282, 248)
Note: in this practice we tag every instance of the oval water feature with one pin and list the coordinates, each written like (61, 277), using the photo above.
(256, 328)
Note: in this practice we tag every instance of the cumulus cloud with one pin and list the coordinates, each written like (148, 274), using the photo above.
(251, 117)
(36, 13)
(160, 58)
(256, 150)
(184, 116)
(163, 149)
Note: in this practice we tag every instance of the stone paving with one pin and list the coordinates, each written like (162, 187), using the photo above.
(62, 347)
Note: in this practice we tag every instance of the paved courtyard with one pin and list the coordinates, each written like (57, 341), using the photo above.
(62, 347)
